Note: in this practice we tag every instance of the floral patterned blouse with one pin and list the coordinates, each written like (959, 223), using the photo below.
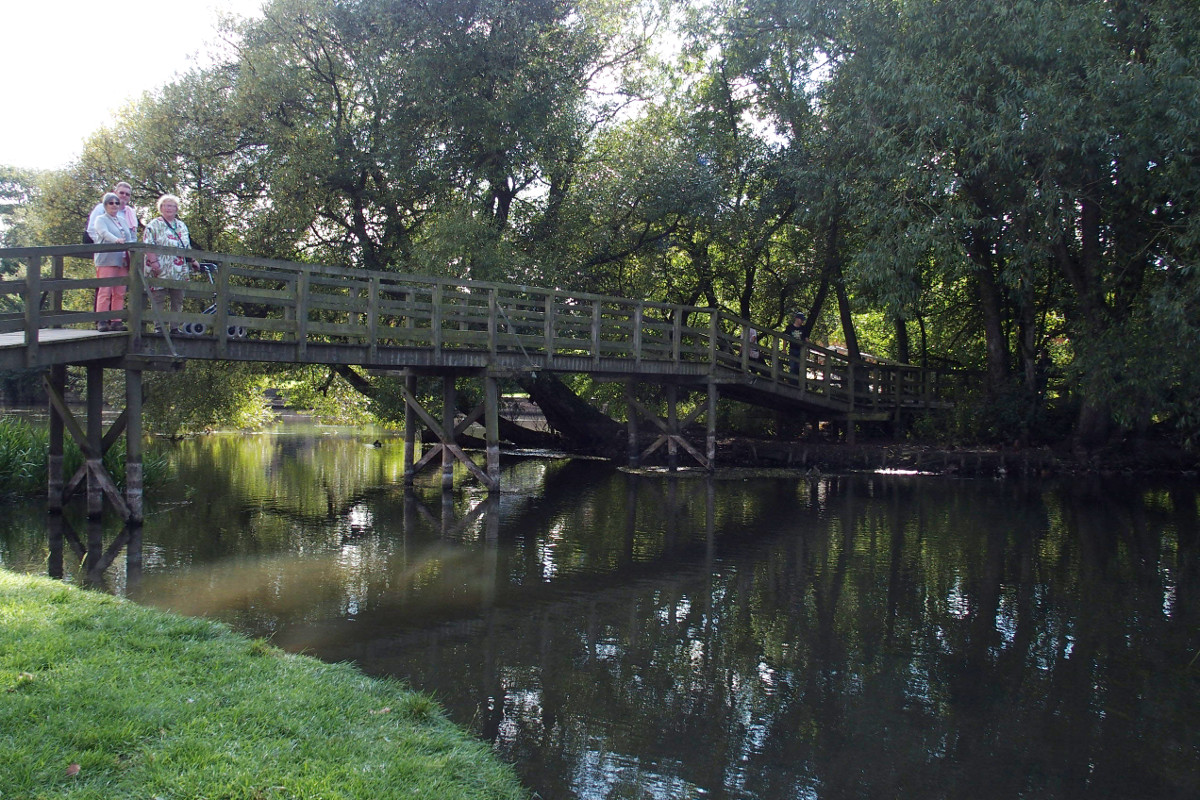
(168, 234)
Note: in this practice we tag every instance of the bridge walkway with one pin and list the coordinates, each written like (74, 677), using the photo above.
(263, 310)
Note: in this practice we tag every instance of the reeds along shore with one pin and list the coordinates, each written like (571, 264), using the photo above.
(24, 454)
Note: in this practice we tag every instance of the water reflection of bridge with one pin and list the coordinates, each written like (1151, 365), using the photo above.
(415, 326)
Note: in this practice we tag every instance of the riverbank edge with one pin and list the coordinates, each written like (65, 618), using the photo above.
(103, 698)
(1132, 458)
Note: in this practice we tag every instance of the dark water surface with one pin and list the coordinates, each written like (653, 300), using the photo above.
(632, 636)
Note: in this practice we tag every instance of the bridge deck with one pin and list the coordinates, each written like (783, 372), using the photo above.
(283, 312)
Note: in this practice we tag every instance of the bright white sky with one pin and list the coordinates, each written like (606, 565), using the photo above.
(58, 57)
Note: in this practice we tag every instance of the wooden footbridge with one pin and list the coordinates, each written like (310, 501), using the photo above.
(283, 312)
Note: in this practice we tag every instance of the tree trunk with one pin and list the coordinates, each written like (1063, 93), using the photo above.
(582, 427)
(847, 317)
(993, 319)
(833, 272)
(903, 348)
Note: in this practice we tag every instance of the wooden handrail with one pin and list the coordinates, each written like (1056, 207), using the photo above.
(547, 328)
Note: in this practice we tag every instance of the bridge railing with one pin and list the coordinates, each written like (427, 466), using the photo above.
(546, 328)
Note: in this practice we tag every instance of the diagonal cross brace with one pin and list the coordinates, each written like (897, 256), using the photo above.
(94, 463)
(667, 435)
(446, 442)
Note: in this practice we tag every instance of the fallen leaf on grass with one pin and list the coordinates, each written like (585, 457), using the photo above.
(384, 710)
(72, 770)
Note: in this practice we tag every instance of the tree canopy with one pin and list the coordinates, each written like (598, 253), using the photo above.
(1001, 185)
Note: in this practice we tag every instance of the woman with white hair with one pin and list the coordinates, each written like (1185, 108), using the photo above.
(166, 230)
(112, 228)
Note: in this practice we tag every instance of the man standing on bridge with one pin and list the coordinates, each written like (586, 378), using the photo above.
(125, 192)
(797, 337)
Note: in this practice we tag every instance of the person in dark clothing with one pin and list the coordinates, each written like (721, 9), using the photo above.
(796, 334)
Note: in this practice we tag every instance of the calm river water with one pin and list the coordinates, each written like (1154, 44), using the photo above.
(641, 636)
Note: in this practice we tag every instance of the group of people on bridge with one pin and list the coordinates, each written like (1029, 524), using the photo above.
(114, 220)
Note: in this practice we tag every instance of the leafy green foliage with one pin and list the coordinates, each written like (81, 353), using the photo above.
(24, 455)
(208, 394)
(962, 197)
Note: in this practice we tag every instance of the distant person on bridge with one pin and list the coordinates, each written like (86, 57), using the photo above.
(166, 230)
(112, 228)
(797, 337)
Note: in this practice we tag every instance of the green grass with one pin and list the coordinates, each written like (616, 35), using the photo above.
(102, 698)
(24, 457)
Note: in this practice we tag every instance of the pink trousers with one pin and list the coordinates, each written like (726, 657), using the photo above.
(111, 298)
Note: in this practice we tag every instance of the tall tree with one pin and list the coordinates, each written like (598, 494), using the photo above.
(1057, 150)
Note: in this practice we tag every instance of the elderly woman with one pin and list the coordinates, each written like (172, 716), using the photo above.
(166, 230)
(112, 228)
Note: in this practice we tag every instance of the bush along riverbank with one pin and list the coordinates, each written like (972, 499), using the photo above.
(102, 698)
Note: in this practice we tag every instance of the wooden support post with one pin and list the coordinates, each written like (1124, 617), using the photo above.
(491, 551)
(55, 539)
(93, 559)
(56, 385)
(446, 436)
(95, 434)
(673, 428)
(410, 429)
(133, 445)
(491, 415)
(710, 441)
(631, 407)
(448, 401)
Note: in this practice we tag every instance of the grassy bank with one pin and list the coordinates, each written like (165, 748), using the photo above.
(102, 698)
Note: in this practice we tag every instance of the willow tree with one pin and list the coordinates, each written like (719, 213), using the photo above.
(1044, 150)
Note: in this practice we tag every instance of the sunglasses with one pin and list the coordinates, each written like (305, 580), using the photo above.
(113, 203)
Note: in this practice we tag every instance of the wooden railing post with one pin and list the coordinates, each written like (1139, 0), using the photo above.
(637, 334)
(714, 331)
(802, 369)
(850, 375)
(493, 321)
(33, 310)
(548, 327)
(56, 297)
(373, 317)
(221, 313)
(435, 318)
(677, 337)
(596, 321)
(134, 299)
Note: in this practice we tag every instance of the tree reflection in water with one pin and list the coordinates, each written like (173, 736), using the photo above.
(621, 636)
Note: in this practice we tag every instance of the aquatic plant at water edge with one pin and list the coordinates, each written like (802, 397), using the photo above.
(25, 449)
